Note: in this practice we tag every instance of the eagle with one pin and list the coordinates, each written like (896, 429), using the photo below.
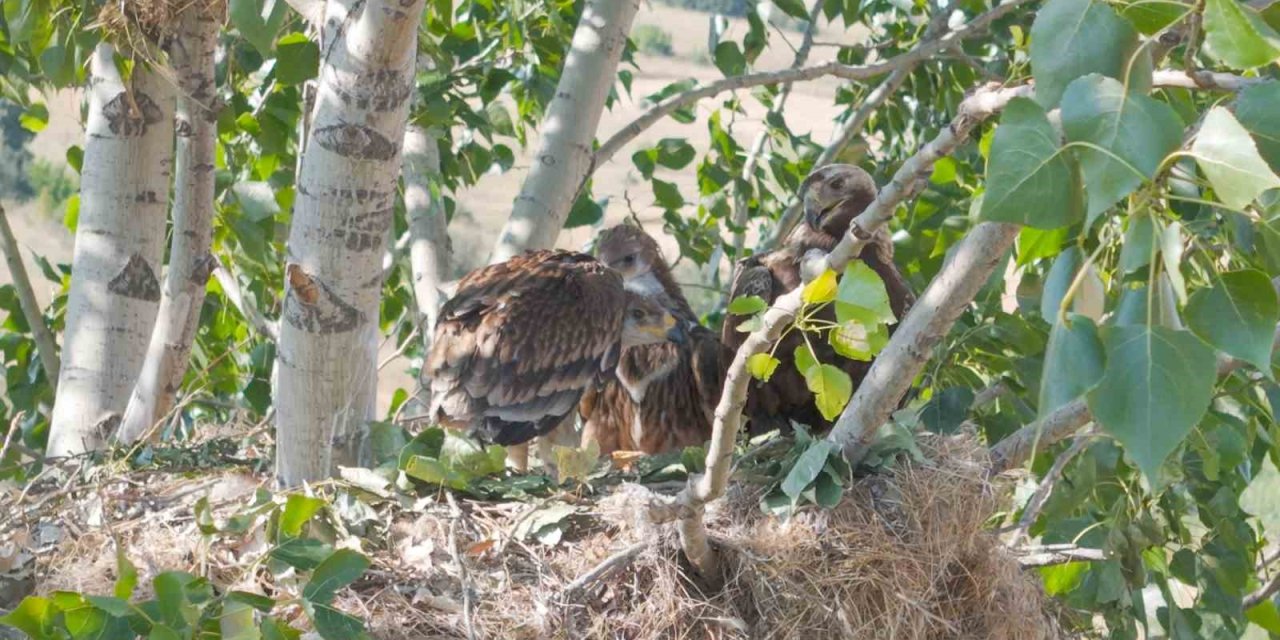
(661, 397)
(520, 341)
(833, 196)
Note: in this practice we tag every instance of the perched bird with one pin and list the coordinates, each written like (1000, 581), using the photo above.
(833, 196)
(519, 341)
(662, 396)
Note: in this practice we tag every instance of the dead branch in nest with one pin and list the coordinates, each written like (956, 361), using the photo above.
(603, 570)
(687, 507)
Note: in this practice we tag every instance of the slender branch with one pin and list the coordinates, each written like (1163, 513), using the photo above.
(687, 506)
(231, 289)
(606, 568)
(1047, 557)
(847, 72)
(1207, 80)
(1263, 593)
(757, 146)
(1016, 449)
(1038, 499)
(46, 345)
(852, 127)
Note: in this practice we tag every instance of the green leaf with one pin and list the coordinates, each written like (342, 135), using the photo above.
(79, 616)
(947, 409)
(1030, 180)
(1237, 316)
(333, 624)
(793, 8)
(1139, 242)
(257, 200)
(273, 629)
(1171, 258)
(806, 469)
(236, 622)
(1073, 38)
(1063, 578)
(729, 59)
(861, 288)
(297, 59)
(1265, 614)
(127, 574)
(804, 359)
(298, 509)
(256, 600)
(675, 153)
(1237, 36)
(821, 289)
(35, 118)
(827, 491)
(1230, 159)
(302, 553)
(747, 305)
(762, 366)
(1151, 18)
(33, 616)
(1056, 283)
(831, 389)
(858, 340)
(585, 211)
(258, 21)
(1262, 497)
(1073, 362)
(1156, 385)
(337, 571)
(1137, 131)
(1035, 244)
(667, 195)
(1256, 110)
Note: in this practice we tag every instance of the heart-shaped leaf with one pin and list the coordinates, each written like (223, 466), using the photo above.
(1236, 35)
(1238, 316)
(1073, 362)
(1073, 38)
(1230, 159)
(1030, 180)
(831, 389)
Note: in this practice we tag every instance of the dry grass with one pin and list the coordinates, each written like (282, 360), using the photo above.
(906, 555)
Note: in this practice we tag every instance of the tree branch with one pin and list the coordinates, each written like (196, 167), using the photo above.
(1057, 554)
(847, 72)
(1207, 80)
(429, 247)
(688, 505)
(46, 345)
(1263, 593)
(1016, 449)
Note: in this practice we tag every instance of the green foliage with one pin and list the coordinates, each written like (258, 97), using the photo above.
(15, 158)
(1028, 165)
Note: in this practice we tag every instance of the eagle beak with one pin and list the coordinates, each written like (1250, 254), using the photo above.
(815, 208)
(676, 333)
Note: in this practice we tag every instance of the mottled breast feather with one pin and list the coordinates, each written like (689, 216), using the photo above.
(520, 341)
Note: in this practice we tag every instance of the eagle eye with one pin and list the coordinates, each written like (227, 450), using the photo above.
(638, 314)
(628, 260)
(837, 184)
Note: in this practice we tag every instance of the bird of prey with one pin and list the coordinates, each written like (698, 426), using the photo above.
(833, 196)
(661, 397)
(520, 340)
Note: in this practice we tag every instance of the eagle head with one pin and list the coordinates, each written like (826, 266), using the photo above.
(833, 195)
(647, 321)
(630, 251)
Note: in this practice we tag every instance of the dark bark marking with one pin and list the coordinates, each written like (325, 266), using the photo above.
(183, 128)
(124, 121)
(309, 305)
(355, 141)
(365, 231)
(146, 197)
(203, 268)
(381, 90)
(136, 280)
(107, 425)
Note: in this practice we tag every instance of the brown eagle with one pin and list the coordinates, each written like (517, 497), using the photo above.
(520, 340)
(661, 397)
(833, 196)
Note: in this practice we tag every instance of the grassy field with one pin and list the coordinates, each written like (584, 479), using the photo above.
(486, 206)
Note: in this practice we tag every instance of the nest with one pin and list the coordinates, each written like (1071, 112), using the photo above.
(906, 555)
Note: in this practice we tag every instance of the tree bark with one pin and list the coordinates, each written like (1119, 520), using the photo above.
(429, 246)
(929, 320)
(564, 157)
(327, 375)
(46, 345)
(191, 53)
(119, 246)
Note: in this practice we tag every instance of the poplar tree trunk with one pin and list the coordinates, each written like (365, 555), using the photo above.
(563, 160)
(327, 376)
(191, 54)
(429, 246)
(115, 289)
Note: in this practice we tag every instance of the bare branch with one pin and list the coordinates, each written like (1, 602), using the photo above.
(1207, 80)
(847, 72)
(757, 146)
(429, 247)
(1043, 557)
(1016, 449)
(1036, 503)
(231, 289)
(1263, 593)
(687, 506)
(46, 345)
(604, 569)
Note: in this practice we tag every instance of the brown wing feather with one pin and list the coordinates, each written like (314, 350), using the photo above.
(513, 350)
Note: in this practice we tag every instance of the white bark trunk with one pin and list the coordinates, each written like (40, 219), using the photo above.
(115, 289)
(192, 57)
(46, 345)
(346, 193)
(429, 246)
(564, 156)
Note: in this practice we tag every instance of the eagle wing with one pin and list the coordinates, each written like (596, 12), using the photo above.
(514, 349)
(755, 278)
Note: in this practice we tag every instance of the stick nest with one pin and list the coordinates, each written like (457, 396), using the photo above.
(906, 555)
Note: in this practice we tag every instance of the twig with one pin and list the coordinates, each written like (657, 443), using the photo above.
(8, 437)
(468, 600)
(46, 345)
(605, 569)
(1263, 593)
(1041, 495)
(400, 351)
(853, 126)
(231, 289)
(1199, 79)
(1043, 557)
(1016, 449)
(757, 146)
(688, 505)
(847, 72)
